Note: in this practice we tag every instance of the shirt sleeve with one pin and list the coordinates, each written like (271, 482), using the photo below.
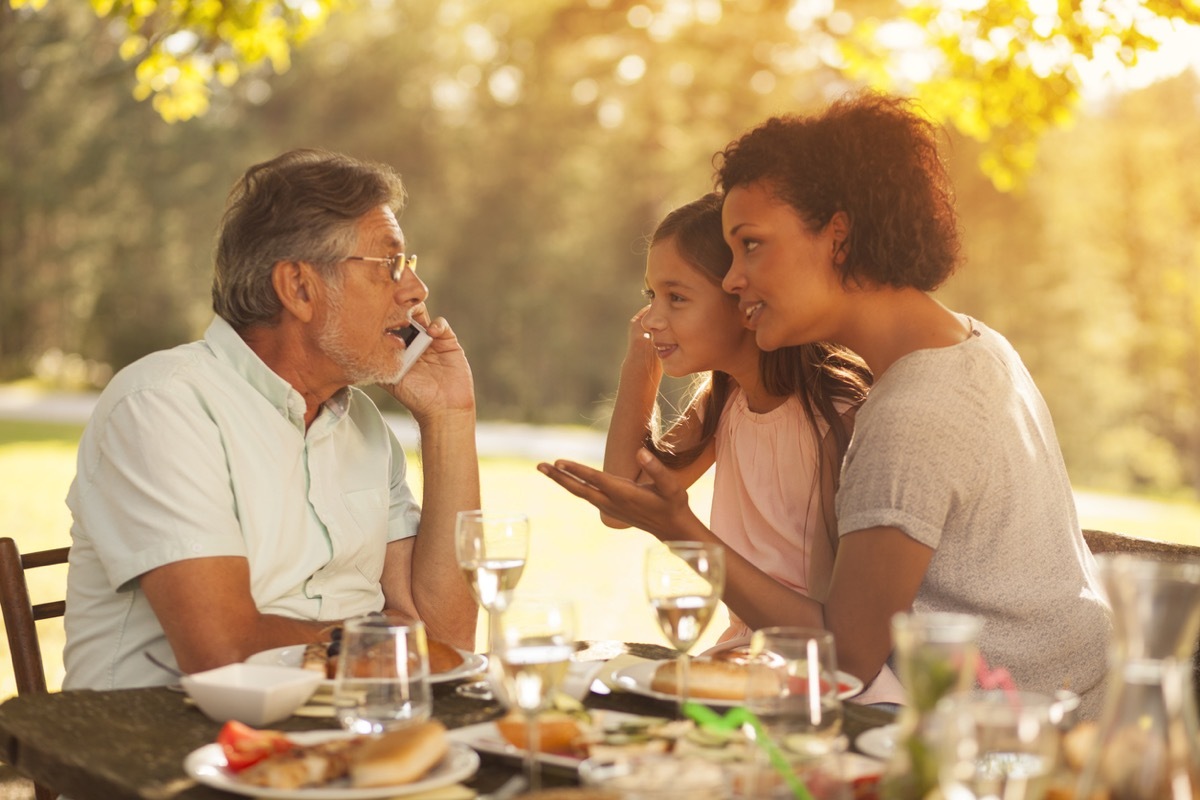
(913, 460)
(159, 486)
(404, 515)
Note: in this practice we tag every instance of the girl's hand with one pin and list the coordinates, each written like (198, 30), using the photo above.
(639, 353)
(639, 338)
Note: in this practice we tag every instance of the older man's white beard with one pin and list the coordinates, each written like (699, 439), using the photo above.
(358, 372)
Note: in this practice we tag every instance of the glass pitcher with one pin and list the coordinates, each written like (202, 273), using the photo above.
(936, 656)
(1147, 744)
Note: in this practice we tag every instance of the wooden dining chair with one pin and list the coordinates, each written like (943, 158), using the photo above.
(20, 620)
(1109, 542)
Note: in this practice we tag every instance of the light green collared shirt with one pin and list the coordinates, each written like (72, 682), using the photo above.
(201, 451)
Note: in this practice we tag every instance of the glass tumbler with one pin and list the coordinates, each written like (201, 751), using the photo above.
(382, 677)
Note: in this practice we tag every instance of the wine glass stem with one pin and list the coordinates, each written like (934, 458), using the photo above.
(532, 743)
(682, 669)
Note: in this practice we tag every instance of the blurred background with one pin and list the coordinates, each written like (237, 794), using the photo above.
(541, 141)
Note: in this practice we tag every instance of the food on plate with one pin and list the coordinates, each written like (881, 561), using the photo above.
(657, 776)
(323, 656)
(569, 793)
(244, 746)
(715, 680)
(393, 758)
(302, 765)
(559, 732)
(399, 757)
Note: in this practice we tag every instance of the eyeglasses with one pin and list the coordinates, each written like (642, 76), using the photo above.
(396, 264)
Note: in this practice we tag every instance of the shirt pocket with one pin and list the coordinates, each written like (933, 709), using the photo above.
(367, 543)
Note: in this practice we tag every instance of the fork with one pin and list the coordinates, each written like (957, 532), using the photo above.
(174, 687)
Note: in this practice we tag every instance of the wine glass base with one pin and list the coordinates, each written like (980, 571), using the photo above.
(478, 690)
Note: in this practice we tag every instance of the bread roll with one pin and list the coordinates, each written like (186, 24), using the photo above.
(715, 680)
(400, 756)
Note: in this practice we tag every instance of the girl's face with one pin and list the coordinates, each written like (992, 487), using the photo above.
(783, 274)
(693, 325)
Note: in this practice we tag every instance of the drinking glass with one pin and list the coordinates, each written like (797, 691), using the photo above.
(792, 688)
(382, 677)
(997, 744)
(936, 655)
(684, 581)
(533, 641)
(491, 550)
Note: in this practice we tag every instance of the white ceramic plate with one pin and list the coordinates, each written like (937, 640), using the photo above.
(878, 742)
(207, 766)
(637, 678)
(293, 656)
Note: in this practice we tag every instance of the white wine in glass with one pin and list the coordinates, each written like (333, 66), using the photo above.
(534, 641)
(491, 550)
(684, 582)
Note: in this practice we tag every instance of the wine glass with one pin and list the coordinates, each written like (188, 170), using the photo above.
(684, 581)
(491, 550)
(534, 641)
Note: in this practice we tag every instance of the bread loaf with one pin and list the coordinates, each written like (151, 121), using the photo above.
(400, 756)
(715, 680)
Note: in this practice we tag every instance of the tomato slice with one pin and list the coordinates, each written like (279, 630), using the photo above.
(244, 746)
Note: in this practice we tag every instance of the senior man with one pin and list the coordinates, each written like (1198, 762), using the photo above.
(237, 493)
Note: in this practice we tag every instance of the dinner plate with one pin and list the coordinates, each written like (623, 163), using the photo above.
(207, 765)
(878, 742)
(637, 678)
(293, 656)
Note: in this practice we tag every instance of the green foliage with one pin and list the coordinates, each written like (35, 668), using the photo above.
(1003, 72)
(183, 48)
(1007, 72)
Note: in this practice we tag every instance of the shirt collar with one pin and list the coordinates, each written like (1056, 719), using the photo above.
(232, 349)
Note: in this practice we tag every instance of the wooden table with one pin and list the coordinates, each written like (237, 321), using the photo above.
(130, 744)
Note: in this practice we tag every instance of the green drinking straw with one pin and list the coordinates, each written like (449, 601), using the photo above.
(705, 717)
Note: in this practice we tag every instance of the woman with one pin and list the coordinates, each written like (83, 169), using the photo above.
(954, 496)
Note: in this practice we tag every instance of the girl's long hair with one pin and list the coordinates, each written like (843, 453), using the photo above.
(819, 373)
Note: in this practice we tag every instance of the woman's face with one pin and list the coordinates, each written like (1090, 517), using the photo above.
(783, 275)
(693, 325)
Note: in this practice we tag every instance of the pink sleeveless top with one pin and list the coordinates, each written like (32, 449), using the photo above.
(766, 507)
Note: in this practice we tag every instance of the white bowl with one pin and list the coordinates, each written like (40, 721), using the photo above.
(256, 694)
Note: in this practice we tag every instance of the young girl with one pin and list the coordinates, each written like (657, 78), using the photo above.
(775, 424)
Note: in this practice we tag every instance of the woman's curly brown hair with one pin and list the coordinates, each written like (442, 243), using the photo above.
(874, 158)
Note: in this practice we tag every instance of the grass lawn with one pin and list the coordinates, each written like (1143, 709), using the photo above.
(573, 555)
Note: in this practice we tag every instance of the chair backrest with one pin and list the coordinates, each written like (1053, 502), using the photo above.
(21, 614)
(1107, 542)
